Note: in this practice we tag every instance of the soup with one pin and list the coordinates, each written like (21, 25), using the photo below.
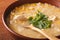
(19, 19)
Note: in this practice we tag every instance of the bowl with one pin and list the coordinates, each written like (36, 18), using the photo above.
(21, 2)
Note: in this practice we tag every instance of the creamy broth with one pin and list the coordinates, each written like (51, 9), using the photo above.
(27, 10)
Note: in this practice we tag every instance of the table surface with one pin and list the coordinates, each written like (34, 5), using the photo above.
(4, 33)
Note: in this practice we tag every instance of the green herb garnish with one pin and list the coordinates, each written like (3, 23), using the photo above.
(40, 21)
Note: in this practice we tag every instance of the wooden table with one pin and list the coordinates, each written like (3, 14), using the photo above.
(4, 33)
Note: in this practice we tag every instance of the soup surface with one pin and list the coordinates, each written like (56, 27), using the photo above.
(18, 19)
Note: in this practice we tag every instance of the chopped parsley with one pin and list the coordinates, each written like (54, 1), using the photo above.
(40, 21)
